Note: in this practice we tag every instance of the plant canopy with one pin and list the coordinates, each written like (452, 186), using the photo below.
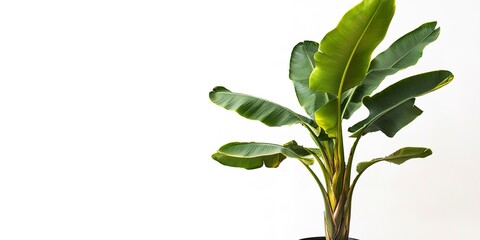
(332, 79)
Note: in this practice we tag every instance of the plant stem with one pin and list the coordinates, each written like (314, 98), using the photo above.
(339, 162)
(321, 147)
(319, 183)
(328, 210)
(354, 183)
(350, 160)
(325, 172)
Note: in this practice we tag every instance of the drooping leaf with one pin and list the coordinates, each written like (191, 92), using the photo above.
(249, 163)
(299, 150)
(301, 66)
(253, 108)
(403, 53)
(394, 120)
(344, 53)
(397, 94)
(398, 157)
(252, 155)
(255, 149)
(326, 118)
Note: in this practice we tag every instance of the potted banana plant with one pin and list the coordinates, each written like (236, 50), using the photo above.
(332, 79)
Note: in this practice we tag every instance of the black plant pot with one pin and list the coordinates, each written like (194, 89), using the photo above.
(322, 238)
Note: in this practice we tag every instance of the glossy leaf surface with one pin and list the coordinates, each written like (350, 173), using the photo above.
(249, 163)
(397, 94)
(344, 53)
(394, 120)
(403, 53)
(254, 108)
(325, 117)
(252, 155)
(301, 66)
(398, 157)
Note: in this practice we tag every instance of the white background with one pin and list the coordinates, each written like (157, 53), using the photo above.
(106, 129)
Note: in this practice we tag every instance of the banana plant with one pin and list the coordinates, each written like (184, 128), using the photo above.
(332, 79)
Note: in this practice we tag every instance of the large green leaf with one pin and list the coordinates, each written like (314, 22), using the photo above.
(252, 155)
(253, 108)
(326, 118)
(398, 157)
(344, 53)
(301, 66)
(395, 96)
(394, 120)
(270, 161)
(403, 53)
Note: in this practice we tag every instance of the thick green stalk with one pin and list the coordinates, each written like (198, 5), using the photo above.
(340, 220)
(338, 191)
(339, 164)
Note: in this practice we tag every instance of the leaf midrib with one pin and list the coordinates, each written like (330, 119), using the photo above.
(312, 66)
(340, 89)
(408, 52)
(381, 114)
(403, 156)
(252, 144)
(281, 150)
(308, 57)
(280, 106)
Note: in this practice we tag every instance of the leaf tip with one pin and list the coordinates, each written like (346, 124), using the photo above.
(431, 24)
(220, 89)
(217, 157)
(428, 152)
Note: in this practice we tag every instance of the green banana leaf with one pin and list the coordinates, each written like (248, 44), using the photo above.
(392, 98)
(271, 161)
(253, 108)
(398, 157)
(252, 155)
(326, 118)
(403, 53)
(301, 66)
(344, 53)
(394, 120)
